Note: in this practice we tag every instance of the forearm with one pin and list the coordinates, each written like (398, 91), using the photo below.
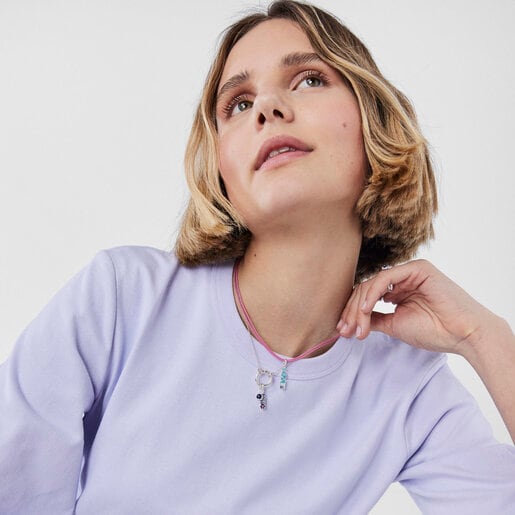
(492, 355)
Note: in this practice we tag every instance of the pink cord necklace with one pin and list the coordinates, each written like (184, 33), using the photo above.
(269, 376)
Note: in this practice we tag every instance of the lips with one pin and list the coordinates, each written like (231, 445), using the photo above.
(279, 145)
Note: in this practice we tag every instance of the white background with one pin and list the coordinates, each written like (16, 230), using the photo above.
(96, 101)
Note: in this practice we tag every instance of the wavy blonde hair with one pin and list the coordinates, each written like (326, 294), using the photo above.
(399, 199)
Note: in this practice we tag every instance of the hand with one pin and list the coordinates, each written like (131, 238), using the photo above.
(432, 312)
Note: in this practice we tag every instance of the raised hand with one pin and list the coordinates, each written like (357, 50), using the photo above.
(432, 312)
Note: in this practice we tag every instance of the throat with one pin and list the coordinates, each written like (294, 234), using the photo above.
(290, 312)
(304, 346)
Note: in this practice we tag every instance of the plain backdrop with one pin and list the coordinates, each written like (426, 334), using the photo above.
(97, 98)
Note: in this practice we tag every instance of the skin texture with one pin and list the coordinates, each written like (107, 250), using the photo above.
(279, 100)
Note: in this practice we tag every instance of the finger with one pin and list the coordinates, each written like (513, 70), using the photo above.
(347, 324)
(347, 319)
(341, 327)
(383, 289)
(362, 318)
(359, 321)
(398, 295)
(363, 325)
(382, 322)
(387, 284)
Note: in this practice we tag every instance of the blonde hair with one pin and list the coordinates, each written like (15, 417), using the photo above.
(399, 199)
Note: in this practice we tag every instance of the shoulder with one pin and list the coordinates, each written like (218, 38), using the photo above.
(140, 268)
(398, 363)
(127, 259)
(137, 253)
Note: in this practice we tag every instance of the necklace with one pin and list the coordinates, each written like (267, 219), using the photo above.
(265, 378)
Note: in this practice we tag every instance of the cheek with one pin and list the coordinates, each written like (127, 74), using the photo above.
(342, 139)
(230, 166)
(226, 162)
(344, 135)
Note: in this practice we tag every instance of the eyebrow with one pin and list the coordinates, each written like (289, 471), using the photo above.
(289, 60)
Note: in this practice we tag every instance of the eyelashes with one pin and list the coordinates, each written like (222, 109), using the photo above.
(228, 107)
(312, 74)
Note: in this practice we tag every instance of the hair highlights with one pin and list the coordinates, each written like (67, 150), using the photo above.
(399, 199)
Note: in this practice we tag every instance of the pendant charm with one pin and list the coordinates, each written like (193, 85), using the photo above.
(261, 396)
(284, 375)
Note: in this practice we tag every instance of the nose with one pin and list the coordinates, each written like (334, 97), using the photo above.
(271, 108)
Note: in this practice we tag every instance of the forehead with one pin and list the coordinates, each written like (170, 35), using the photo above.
(265, 45)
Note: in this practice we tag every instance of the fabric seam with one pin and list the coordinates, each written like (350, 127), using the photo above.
(422, 381)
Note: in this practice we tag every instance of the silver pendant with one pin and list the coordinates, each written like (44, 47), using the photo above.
(261, 396)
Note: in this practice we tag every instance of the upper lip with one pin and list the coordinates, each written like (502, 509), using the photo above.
(277, 142)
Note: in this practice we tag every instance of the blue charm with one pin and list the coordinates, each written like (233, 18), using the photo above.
(284, 376)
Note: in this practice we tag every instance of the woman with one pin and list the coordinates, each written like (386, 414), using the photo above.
(218, 382)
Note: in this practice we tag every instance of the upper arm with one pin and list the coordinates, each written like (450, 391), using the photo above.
(51, 379)
(454, 463)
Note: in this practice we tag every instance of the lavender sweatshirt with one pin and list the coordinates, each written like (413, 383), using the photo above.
(133, 392)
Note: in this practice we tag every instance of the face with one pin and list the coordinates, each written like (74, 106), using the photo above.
(289, 129)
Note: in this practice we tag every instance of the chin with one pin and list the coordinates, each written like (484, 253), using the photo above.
(280, 202)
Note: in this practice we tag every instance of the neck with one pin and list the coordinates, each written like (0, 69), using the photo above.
(295, 287)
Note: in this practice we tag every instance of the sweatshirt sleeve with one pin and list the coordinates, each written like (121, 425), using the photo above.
(51, 379)
(454, 464)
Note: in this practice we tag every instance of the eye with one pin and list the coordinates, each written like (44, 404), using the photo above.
(237, 105)
(311, 79)
(312, 82)
(241, 106)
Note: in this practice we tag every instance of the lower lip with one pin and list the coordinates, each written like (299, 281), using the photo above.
(282, 159)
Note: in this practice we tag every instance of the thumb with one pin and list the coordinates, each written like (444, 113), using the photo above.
(382, 322)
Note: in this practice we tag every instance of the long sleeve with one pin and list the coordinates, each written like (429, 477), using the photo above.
(455, 465)
(52, 378)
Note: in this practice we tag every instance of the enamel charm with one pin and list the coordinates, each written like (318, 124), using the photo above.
(284, 375)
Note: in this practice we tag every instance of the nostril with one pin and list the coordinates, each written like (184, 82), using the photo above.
(262, 117)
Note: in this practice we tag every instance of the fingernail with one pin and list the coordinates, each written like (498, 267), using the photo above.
(358, 331)
(344, 328)
(339, 326)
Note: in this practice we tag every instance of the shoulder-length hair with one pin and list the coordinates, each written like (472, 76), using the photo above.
(399, 198)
